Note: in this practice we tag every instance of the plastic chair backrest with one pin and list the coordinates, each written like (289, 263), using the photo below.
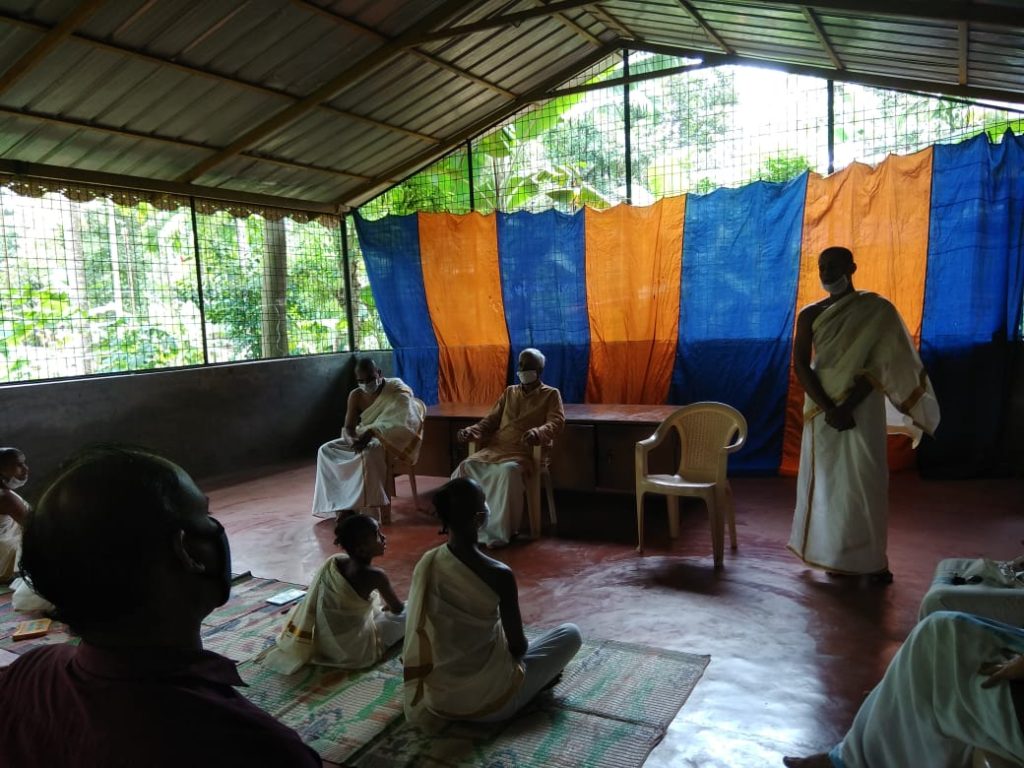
(708, 433)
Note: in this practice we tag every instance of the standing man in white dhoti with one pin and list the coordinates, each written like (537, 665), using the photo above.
(383, 417)
(527, 414)
(956, 685)
(863, 357)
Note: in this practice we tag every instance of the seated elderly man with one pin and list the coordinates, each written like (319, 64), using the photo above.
(123, 545)
(956, 685)
(527, 414)
(13, 509)
(382, 417)
(465, 655)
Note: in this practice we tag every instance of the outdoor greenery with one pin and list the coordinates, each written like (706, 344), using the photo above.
(93, 282)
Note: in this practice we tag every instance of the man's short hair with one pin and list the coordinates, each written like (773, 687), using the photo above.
(837, 252)
(7, 455)
(534, 352)
(352, 531)
(456, 499)
(90, 545)
(366, 363)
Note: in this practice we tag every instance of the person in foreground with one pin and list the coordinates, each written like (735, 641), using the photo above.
(123, 545)
(383, 417)
(341, 621)
(863, 355)
(466, 656)
(955, 685)
(13, 509)
(527, 414)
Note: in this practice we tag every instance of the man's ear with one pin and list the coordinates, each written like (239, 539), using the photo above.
(190, 563)
(853, 267)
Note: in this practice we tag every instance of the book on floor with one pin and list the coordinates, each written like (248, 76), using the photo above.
(27, 630)
(288, 596)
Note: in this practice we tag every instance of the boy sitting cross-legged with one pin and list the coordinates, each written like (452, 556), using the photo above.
(351, 615)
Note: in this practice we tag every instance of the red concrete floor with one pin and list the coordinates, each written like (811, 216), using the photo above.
(792, 652)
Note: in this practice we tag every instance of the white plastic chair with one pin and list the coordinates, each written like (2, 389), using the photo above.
(398, 467)
(541, 474)
(708, 433)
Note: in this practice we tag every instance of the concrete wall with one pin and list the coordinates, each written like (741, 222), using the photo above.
(212, 420)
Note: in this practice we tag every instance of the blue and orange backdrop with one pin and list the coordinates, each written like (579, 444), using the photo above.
(695, 297)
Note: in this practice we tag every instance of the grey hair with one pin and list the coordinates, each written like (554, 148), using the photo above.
(534, 352)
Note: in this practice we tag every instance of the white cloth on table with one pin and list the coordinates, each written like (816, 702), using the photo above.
(842, 508)
(930, 709)
(334, 626)
(503, 487)
(990, 588)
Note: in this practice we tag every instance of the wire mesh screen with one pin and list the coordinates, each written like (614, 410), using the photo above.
(272, 287)
(369, 331)
(724, 127)
(91, 286)
(871, 123)
(442, 187)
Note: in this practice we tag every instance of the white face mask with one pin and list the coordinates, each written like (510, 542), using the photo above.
(527, 377)
(837, 286)
(369, 387)
(14, 483)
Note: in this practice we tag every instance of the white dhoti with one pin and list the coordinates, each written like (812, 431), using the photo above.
(346, 479)
(503, 487)
(334, 626)
(842, 504)
(930, 709)
(10, 547)
(842, 494)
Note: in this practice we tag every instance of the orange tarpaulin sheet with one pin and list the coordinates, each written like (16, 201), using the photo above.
(461, 279)
(882, 215)
(634, 259)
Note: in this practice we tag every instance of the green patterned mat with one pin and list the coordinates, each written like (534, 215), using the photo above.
(611, 708)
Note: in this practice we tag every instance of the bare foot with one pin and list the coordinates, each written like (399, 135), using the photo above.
(820, 760)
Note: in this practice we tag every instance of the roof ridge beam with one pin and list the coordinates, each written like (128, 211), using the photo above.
(431, 58)
(53, 37)
(822, 36)
(502, 20)
(343, 80)
(708, 30)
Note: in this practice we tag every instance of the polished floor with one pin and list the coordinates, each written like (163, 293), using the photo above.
(792, 652)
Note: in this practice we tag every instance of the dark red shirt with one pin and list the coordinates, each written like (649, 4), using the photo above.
(84, 706)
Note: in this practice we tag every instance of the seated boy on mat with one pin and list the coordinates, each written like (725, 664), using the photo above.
(342, 622)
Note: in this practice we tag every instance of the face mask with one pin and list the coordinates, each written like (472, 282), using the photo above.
(527, 377)
(13, 483)
(369, 387)
(837, 286)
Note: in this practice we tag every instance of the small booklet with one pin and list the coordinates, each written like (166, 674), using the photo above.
(288, 596)
(27, 630)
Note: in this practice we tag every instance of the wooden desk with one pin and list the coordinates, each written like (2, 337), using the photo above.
(594, 452)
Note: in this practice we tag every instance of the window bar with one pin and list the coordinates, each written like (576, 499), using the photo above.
(831, 126)
(469, 170)
(199, 277)
(627, 127)
(347, 267)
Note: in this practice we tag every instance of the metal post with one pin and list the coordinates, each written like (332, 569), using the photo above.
(347, 268)
(469, 170)
(627, 126)
(199, 277)
(831, 126)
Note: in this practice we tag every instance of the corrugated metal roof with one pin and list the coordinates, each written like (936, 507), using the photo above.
(328, 101)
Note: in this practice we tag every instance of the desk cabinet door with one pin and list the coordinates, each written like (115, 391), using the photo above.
(616, 449)
(572, 458)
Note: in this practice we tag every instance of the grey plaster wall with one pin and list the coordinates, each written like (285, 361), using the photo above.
(212, 420)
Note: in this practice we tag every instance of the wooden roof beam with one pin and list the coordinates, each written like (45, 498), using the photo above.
(964, 35)
(504, 20)
(612, 22)
(542, 92)
(822, 36)
(935, 10)
(708, 30)
(134, 53)
(53, 37)
(129, 134)
(344, 79)
(430, 58)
